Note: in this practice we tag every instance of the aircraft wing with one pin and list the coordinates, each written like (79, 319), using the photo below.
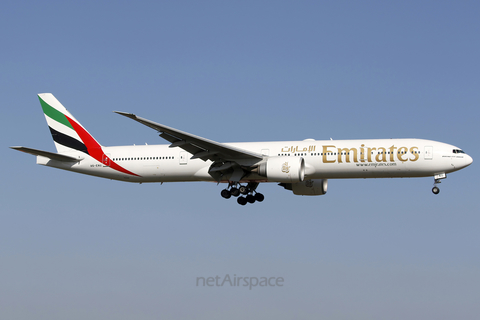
(202, 148)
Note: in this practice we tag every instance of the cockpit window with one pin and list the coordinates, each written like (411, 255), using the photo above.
(458, 151)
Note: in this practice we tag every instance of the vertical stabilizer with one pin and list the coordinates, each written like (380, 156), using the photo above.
(68, 134)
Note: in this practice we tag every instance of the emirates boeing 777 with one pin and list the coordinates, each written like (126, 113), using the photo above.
(303, 167)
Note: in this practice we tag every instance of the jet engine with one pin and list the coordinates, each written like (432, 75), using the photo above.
(312, 187)
(282, 169)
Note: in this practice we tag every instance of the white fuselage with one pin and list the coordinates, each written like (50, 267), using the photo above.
(326, 159)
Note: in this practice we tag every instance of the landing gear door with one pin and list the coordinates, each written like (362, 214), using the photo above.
(428, 153)
(183, 157)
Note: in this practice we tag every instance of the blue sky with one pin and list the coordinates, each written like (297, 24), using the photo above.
(77, 247)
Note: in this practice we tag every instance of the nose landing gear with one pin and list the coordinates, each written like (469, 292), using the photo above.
(249, 195)
(437, 178)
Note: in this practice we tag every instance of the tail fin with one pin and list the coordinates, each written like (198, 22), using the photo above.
(68, 134)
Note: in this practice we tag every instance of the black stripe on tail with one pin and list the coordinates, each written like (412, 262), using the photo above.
(67, 141)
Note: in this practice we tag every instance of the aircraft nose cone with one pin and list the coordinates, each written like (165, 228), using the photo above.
(468, 160)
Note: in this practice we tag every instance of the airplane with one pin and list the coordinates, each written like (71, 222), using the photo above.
(303, 167)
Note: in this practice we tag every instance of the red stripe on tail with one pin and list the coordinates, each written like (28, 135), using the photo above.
(95, 149)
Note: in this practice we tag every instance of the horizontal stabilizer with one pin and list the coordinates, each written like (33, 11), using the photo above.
(51, 155)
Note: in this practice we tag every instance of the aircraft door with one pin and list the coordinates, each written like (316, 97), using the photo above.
(428, 153)
(183, 157)
(106, 160)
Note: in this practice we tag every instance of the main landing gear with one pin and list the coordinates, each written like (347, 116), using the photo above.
(437, 178)
(246, 194)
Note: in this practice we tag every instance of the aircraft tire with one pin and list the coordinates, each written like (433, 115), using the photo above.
(435, 190)
(242, 201)
(259, 197)
(250, 198)
(226, 194)
(235, 192)
(243, 190)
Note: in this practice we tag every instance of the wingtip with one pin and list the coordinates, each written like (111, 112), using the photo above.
(126, 114)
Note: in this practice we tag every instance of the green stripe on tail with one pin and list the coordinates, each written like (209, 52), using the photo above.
(54, 113)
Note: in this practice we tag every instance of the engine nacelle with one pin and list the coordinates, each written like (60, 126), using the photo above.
(282, 169)
(312, 187)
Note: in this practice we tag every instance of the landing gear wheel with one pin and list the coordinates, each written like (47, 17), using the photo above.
(250, 198)
(243, 190)
(435, 190)
(259, 197)
(235, 192)
(241, 201)
(226, 194)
